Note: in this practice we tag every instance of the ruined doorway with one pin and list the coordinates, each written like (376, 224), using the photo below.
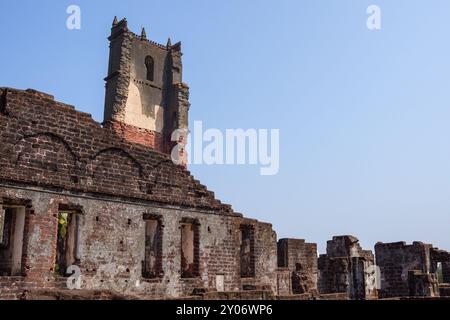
(12, 222)
(152, 264)
(247, 258)
(190, 250)
(67, 241)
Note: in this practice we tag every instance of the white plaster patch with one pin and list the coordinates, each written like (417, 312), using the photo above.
(135, 116)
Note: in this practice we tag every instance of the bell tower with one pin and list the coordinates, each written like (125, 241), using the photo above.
(146, 99)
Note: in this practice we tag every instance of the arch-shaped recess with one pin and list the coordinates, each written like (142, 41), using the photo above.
(115, 169)
(53, 137)
(46, 151)
(150, 65)
(122, 153)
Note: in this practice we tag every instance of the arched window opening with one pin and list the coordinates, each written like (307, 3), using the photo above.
(150, 64)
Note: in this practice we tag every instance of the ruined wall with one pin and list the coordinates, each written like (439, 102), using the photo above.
(346, 268)
(53, 155)
(50, 144)
(115, 262)
(300, 258)
(422, 284)
(410, 270)
(442, 257)
(265, 256)
(395, 260)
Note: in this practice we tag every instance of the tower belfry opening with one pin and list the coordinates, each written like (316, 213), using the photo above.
(150, 65)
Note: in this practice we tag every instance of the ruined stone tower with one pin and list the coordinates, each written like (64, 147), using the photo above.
(146, 99)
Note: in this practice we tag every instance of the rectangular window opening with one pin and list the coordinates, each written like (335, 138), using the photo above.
(152, 264)
(12, 223)
(190, 254)
(67, 250)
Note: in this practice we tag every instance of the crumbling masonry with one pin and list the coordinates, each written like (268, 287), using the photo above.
(412, 270)
(346, 268)
(108, 199)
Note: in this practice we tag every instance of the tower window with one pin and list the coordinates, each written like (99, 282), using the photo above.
(150, 65)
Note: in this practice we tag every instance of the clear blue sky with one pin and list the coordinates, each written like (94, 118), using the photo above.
(363, 115)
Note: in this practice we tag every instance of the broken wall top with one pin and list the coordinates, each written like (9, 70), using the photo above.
(345, 246)
(50, 144)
